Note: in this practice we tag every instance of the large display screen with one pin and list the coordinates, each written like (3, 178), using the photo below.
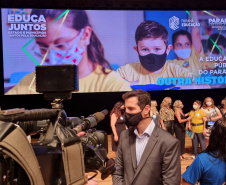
(116, 50)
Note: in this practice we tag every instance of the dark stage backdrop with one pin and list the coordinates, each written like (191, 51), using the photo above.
(89, 103)
(84, 104)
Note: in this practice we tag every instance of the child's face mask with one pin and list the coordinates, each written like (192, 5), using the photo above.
(153, 62)
(73, 56)
(183, 53)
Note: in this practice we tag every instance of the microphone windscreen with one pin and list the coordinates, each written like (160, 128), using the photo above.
(99, 116)
(105, 112)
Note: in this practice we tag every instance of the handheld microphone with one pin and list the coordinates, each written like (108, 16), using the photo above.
(91, 121)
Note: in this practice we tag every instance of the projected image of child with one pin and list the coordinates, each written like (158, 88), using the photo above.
(216, 52)
(152, 48)
(188, 47)
(71, 40)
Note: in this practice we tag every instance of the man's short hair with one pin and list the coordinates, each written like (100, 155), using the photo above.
(151, 29)
(143, 97)
(220, 41)
(181, 32)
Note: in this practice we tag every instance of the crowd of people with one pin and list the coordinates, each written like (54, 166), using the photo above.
(205, 121)
(171, 118)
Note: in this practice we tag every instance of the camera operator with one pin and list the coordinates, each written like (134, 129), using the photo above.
(209, 166)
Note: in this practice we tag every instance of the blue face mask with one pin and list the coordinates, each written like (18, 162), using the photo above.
(73, 56)
(183, 53)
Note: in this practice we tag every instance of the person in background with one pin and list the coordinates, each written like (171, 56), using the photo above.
(152, 48)
(198, 126)
(167, 115)
(216, 57)
(180, 125)
(223, 108)
(73, 42)
(213, 50)
(117, 124)
(209, 167)
(212, 113)
(188, 47)
(154, 114)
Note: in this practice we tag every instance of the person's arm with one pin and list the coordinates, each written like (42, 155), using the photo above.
(171, 167)
(195, 34)
(128, 73)
(184, 182)
(161, 118)
(118, 175)
(189, 125)
(204, 125)
(219, 115)
(162, 125)
(187, 114)
(177, 114)
(113, 128)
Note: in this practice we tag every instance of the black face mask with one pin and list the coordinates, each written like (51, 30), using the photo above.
(153, 62)
(133, 119)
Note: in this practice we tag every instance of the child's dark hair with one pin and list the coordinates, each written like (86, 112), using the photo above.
(181, 32)
(219, 39)
(151, 29)
(78, 19)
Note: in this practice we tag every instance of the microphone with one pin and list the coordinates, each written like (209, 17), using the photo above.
(91, 121)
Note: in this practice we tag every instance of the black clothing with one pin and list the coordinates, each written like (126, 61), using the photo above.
(179, 129)
(120, 126)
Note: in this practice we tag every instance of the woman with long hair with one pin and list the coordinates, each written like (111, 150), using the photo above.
(223, 108)
(154, 114)
(209, 166)
(167, 115)
(198, 126)
(70, 39)
(117, 123)
(212, 113)
(180, 125)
